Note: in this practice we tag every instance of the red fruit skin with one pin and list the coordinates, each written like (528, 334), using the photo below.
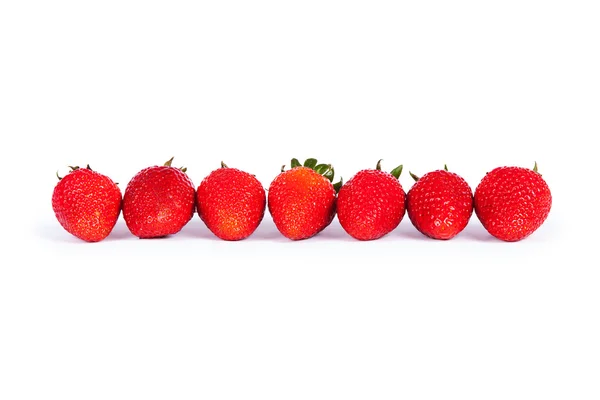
(87, 204)
(158, 201)
(512, 202)
(301, 202)
(371, 204)
(440, 204)
(231, 203)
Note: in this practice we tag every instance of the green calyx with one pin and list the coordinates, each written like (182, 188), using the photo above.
(75, 168)
(337, 186)
(395, 172)
(535, 167)
(170, 161)
(322, 169)
(310, 162)
(416, 178)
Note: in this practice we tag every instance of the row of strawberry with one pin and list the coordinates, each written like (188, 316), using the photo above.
(510, 202)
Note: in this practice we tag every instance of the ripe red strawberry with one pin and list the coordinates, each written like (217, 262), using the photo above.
(87, 204)
(440, 204)
(512, 202)
(302, 199)
(231, 203)
(158, 201)
(371, 204)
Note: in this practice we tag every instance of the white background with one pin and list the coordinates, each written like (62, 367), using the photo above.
(123, 85)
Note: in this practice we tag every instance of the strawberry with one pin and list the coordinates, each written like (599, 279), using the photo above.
(302, 199)
(440, 204)
(371, 204)
(87, 204)
(512, 202)
(158, 201)
(231, 203)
